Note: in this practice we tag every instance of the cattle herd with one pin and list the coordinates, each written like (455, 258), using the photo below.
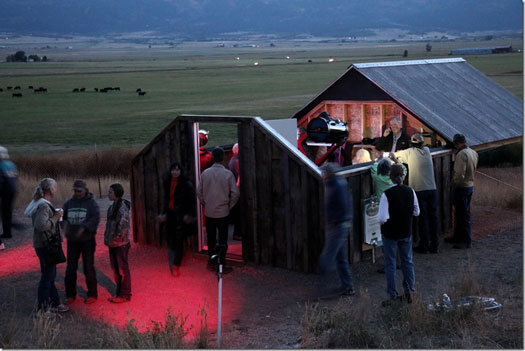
(17, 94)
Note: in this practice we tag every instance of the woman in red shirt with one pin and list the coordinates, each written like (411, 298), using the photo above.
(179, 212)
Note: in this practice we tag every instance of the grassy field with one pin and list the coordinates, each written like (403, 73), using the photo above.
(190, 78)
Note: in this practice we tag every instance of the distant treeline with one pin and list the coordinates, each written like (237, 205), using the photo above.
(20, 56)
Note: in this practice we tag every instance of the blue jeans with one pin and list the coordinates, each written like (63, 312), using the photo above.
(118, 257)
(428, 219)
(47, 291)
(407, 265)
(74, 250)
(335, 253)
(463, 229)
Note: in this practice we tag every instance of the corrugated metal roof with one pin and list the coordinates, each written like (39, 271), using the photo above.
(448, 95)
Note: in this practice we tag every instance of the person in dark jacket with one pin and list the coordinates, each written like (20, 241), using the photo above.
(81, 218)
(117, 238)
(338, 216)
(179, 212)
(397, 206)
(8, 189)
(394, 138)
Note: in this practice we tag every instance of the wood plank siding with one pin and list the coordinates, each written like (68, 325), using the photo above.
(282, 192)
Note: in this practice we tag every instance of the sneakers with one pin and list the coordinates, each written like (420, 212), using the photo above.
(49, 314)
(118, 299)
(90, 300)
(2, 246)
(59, 309)
(69, 301)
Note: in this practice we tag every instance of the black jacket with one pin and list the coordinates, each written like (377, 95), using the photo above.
(184, 205)
(401, 211)
(385, 143)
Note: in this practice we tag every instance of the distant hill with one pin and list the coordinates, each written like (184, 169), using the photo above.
(212, 18)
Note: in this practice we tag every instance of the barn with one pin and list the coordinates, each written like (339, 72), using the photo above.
(282, 190)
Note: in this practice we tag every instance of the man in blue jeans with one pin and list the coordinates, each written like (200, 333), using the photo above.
(397, 206)
(338, 216)
(463, 187)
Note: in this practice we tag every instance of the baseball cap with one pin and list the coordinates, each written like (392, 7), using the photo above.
(79, 184)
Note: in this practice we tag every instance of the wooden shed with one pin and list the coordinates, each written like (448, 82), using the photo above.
(282, 192)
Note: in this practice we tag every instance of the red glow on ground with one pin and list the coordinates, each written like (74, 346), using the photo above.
(154, 290)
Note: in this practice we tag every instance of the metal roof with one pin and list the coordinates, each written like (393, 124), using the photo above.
(448, 95)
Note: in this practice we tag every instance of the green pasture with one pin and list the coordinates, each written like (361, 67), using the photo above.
(192, 80)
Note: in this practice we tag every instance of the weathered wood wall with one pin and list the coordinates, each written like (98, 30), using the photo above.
(282, 192)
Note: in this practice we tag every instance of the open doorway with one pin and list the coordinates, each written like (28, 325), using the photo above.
(209, 136)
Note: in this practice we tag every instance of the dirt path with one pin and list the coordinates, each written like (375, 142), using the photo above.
(262, 306)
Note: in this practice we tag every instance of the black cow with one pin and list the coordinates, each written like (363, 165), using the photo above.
(117, 88)
(17, 95)
(40, 90)
(136, 91)
(9, 88)
(17, 87)
(1, 90)
(104, 90)
(96, 89)
(82, 90)
(142, 93)
(108, 88)
(30, 87)
(75, 90)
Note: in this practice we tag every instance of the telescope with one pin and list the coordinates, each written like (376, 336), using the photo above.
(324, 129)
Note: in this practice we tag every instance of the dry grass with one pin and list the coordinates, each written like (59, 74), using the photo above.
(27, 185)
(359, 324)
(201, 341)
(108, 163)
(490, 192)
(47, 331)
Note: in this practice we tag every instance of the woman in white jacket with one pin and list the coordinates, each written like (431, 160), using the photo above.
(45, 221)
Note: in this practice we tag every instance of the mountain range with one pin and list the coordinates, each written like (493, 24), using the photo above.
(201, 19)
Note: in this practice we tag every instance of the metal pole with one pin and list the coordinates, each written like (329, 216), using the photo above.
(219, 275)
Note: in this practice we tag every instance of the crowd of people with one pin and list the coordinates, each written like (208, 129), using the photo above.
(218, 192)
(399, 204)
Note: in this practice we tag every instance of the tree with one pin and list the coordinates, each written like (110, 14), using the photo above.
(35, 58)
(20, 56)
(428, 47)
